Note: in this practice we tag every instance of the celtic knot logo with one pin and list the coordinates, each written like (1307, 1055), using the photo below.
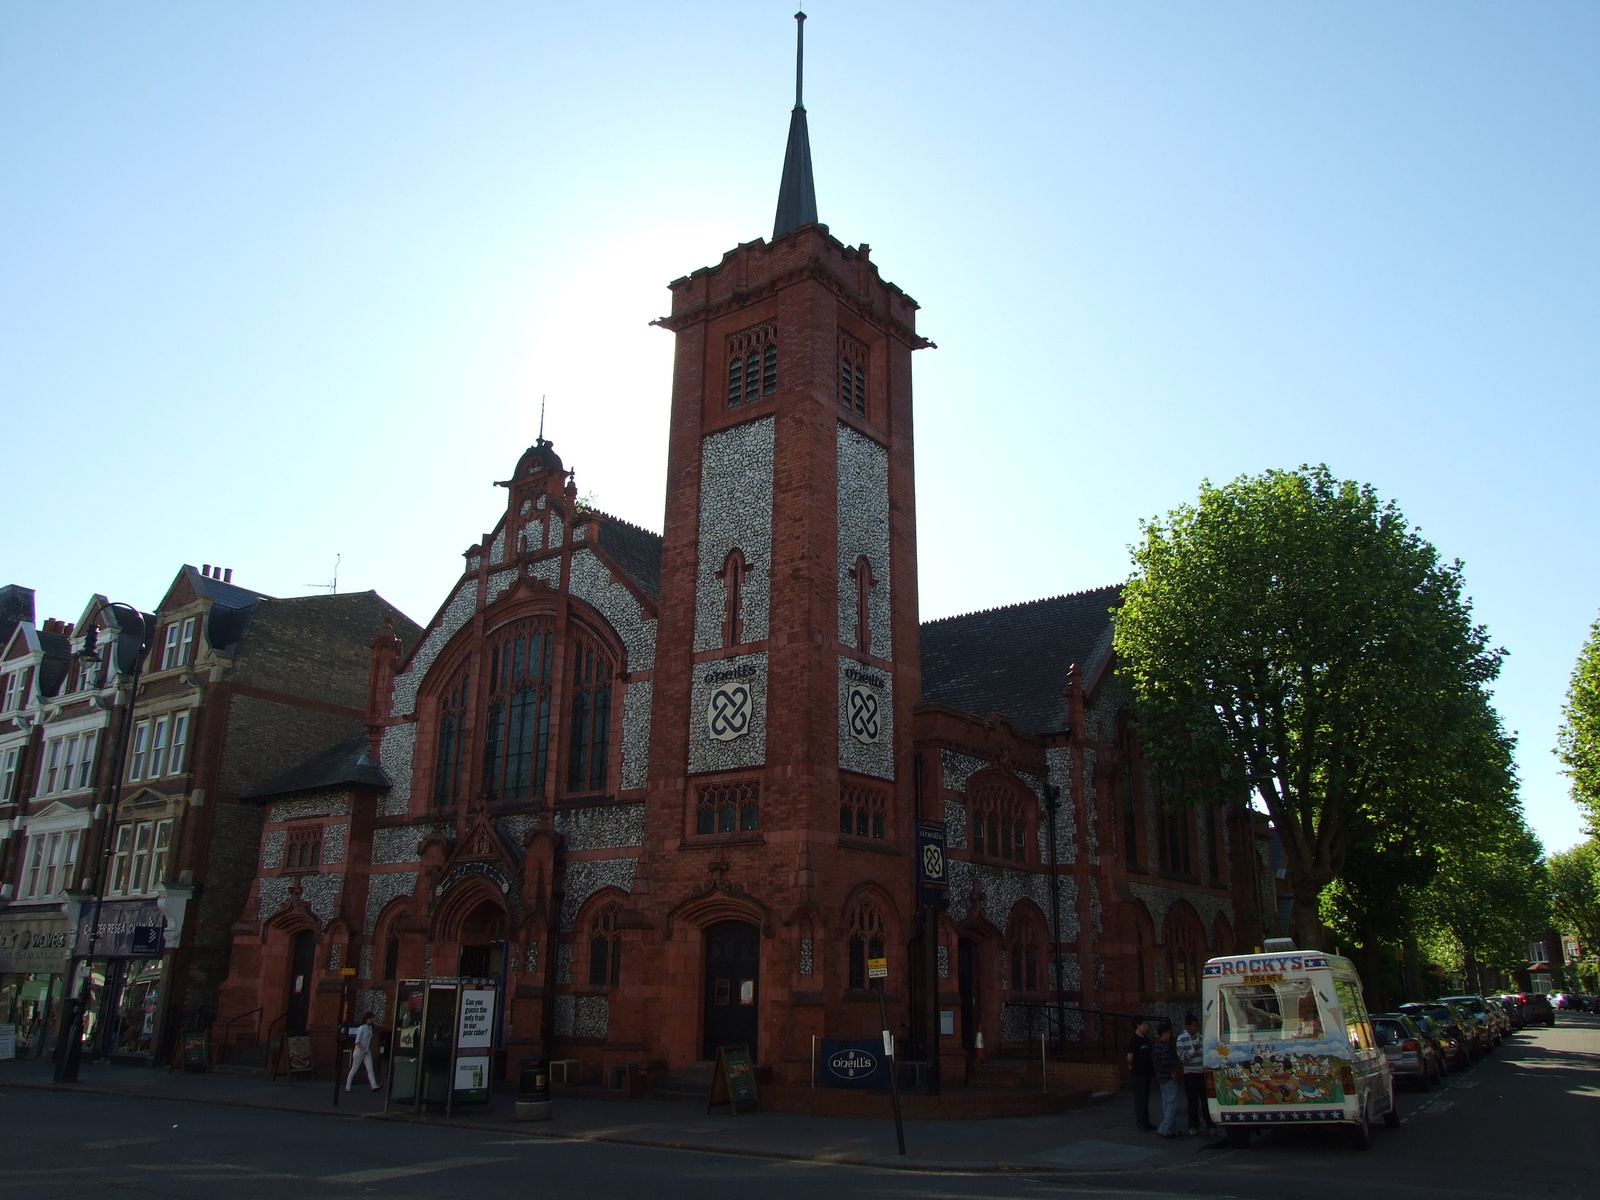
(861, 710)
(933, 862)
(728, 712)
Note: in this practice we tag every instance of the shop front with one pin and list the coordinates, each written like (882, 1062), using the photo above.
(127, 980)
(35, 951)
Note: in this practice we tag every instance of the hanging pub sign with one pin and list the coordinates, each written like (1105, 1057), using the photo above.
(853, 1064)
(933, 880)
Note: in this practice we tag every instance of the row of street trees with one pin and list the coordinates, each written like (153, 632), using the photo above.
(1575, 874)
(1292, 640)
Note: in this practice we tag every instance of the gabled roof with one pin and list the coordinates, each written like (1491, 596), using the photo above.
(1014, 660)
(345, 764)
(637, 551)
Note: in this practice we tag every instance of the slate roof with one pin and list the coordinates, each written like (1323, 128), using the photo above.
(1014, 660)
(231, 609)
(637, 551)
(344, 764)
(57, 661)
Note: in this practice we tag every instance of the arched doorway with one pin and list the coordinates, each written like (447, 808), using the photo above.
(302, 957)
(483, 942)
(733, 965)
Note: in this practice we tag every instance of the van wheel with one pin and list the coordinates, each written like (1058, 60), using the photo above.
(1361, 1131)
(1391, 1119)
(1236, 1138)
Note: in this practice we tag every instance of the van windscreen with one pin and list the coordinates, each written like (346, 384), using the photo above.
(1283, 1011)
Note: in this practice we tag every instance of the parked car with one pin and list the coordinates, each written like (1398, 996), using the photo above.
(1451, 1050)
(1490, 1017)
(1540, 1010)
(1516, 1011)
(1412, 1055)
(1456, 1022)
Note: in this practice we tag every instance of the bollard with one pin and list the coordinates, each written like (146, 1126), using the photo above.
(533, 1089)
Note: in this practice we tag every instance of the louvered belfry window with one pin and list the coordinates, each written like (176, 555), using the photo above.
(852, 375)
(517, 741)
(752, 365)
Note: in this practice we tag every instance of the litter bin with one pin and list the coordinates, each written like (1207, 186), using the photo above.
(533, 1089)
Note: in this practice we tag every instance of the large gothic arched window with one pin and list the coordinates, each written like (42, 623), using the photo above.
(591, 717)
(516, 746)
(447, 769)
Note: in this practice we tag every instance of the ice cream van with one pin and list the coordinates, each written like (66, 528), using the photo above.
(1288, 1042)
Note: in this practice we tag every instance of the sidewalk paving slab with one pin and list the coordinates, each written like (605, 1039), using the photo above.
(1099, 1138)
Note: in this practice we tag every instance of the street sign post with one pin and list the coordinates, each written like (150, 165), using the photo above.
(878, 971)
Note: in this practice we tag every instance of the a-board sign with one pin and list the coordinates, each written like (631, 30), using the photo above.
(877, 968)
(8, 1041)
(733, 1080)
(297, 1055)
(195, 1055)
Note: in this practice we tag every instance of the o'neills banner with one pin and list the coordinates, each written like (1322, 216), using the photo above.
(852, 1064)
(40, 944)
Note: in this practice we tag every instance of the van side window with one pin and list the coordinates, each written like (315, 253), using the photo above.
(1356, 1021)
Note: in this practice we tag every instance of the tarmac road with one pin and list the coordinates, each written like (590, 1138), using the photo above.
(1521, 1123)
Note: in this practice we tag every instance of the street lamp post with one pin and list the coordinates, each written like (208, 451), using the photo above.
(139, 629)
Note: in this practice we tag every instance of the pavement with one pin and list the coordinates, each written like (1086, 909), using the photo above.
(1520, 1121)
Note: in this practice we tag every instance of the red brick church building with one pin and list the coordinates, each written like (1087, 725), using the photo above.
(666, 788)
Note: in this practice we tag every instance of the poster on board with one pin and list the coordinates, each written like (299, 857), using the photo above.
(476, 1028)
(472, 1075)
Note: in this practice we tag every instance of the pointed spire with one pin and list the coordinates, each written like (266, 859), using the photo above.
(797, 194)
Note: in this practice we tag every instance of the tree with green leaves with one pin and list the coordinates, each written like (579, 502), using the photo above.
(1490, 892)
(1290, 636)
(1578, 740)
(1456, 796)
(1575, 893)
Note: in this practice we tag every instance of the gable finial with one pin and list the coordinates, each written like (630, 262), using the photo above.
(799, 59)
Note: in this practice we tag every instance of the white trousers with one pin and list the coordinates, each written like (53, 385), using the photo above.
(358, 1056)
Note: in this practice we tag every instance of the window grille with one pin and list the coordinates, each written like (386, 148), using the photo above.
(852, 375)
(452, 728)
(302, 849)
(1000, 823)
(861, 811)
(590, 755)
(752, 365)
(731, 807)
(866, 941)
(516, 748)
(605, 948)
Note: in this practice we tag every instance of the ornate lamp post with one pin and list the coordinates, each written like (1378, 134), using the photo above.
(136, 633)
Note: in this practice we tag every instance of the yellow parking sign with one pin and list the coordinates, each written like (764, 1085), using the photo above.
(877, 968)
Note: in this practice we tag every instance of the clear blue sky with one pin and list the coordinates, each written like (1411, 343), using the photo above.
(284, 281)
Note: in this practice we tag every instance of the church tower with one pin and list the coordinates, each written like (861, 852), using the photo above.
(781, 805)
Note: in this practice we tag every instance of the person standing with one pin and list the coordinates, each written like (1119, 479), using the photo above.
(1191, 1056)
(1140, 1070)
(1170, 1076)
(362, 1054)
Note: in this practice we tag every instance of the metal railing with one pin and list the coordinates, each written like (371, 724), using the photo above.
(224, 1044)
(1090, 1035)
